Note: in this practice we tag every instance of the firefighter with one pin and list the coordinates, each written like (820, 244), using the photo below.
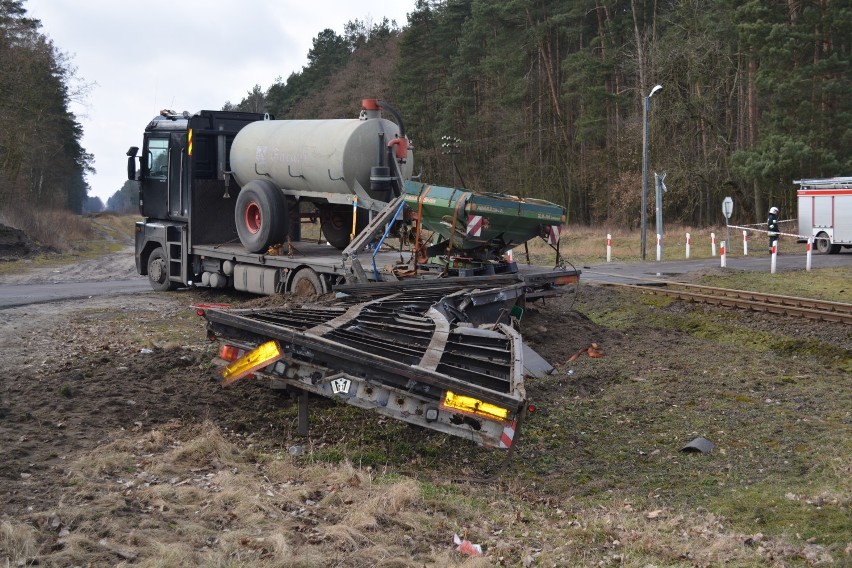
(772, 227)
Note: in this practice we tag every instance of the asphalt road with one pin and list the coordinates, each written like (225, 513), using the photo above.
(651, 270)
(12, 295)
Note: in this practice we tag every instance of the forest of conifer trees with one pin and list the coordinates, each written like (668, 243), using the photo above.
(42, 162)
(545, 98)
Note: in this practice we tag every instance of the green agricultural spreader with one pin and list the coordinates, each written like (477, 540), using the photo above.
(480, 226)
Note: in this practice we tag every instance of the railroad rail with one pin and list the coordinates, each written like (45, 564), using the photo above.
(821, 310)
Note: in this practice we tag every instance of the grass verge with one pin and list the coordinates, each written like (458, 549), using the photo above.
(65, 238)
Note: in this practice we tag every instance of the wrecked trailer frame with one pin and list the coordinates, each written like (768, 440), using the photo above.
(430, 354)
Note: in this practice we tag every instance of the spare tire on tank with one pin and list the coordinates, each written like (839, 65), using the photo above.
(262, 216)
(336, 224)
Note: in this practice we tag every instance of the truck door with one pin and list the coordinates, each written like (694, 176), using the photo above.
(153, 188)
(177, 170)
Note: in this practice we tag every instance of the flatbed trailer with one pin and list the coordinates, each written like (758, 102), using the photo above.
(441, 354)
(273, 273)
(301, 266)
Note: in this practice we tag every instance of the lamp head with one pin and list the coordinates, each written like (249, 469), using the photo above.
(654, 90)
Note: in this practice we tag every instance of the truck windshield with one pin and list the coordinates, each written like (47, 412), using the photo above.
(158, 157)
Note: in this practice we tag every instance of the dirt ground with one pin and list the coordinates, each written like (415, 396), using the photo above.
(16, 244)
(78, 372)
(82, 375)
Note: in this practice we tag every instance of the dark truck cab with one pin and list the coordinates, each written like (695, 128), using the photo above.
(184, 191)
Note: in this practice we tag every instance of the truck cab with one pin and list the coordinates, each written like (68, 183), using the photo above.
(183, 174)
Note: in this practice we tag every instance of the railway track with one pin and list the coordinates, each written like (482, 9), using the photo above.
(754, 301)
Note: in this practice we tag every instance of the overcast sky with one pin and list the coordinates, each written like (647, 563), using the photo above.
(140, 57)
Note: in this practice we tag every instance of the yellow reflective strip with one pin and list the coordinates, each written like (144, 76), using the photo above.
(255, 359)
(473, 406)
(189, 142)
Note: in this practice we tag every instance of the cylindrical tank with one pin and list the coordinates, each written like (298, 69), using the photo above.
(317, 156)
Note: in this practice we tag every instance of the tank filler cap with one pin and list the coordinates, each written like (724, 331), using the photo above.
(370, 109)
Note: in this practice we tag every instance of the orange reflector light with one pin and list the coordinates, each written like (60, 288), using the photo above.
(230, 353)
(470, 405)
(255, 359)
(563, 280)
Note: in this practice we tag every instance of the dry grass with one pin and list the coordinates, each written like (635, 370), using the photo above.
(65, 238)
(189, 496)
(18, 543)
(58, 229)
(587, 245)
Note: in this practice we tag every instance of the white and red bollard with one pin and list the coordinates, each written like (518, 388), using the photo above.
(659, 247)
(722, 255)
(808, 255)
(745, 243)
(774, 262)
(688, 243)
(608, 247)
(713, 244)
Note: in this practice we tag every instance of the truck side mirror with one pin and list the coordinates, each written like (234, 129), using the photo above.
(131, 162)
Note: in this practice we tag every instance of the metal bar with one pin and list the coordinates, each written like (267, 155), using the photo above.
(303, 413)
(385, 235)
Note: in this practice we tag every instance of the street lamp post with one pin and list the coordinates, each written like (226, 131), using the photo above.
(645, 167)
(450, 146)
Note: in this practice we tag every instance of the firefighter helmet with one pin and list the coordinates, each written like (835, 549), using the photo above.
(773, 210)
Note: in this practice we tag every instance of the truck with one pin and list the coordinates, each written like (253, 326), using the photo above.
(223, 196)
(825, 212)
(429, 339)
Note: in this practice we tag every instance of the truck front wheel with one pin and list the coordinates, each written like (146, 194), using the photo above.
(261, 216)
(158, 271)
(306, 282)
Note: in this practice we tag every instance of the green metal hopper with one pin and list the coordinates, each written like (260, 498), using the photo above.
(481, 225)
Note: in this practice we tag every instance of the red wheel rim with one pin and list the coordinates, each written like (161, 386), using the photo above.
(253, 219)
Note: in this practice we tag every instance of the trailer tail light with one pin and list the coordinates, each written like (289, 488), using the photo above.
(230, 353)
(473, 406)
(255, 359)
(565, 280)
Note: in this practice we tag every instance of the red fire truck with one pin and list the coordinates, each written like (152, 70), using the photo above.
(825, 212)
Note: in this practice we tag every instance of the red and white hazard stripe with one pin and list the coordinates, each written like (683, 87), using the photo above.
(508, 435)
(474, 226)
(553, 235)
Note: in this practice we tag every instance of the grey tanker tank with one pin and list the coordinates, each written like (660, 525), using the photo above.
(321, 161)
